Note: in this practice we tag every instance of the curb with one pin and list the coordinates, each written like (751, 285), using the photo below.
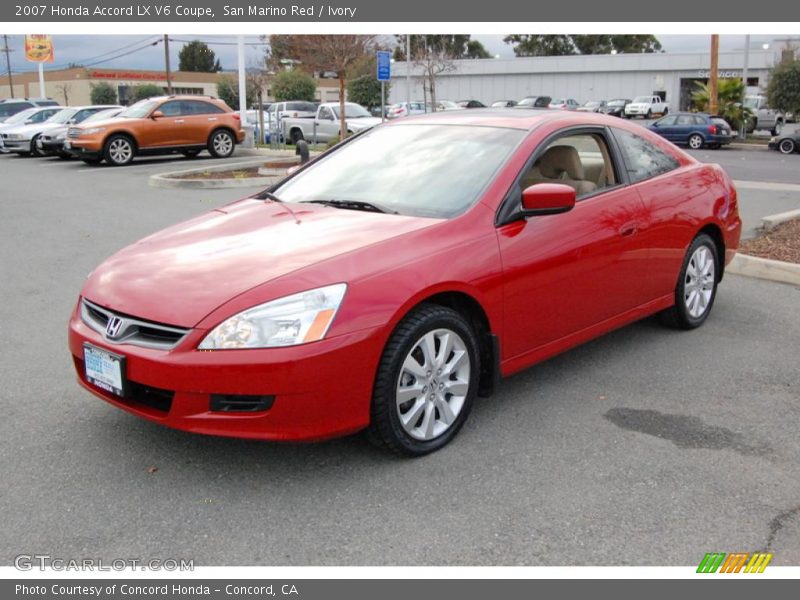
(742, 146)
(168, 179)
(772, 221)
(763, 268)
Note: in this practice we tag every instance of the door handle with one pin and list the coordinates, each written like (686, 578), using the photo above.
(628, 229)
(179, 120)
(212, 118)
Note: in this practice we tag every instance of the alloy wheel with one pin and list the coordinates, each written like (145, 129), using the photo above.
(433, 384)
(698, 285)
(120, 150)
(695, 142)
(786, 146)
(223, 145)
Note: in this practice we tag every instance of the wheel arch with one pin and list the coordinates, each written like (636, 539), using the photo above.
(124, 132)
(467, 305)
(222, 128)
(715, 233)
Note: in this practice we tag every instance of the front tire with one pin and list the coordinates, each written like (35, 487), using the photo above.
(695, 141)
(426, 382)
(696, 288)
(786, 146)
(778, 127)
(119, 150)
(649, 114)
(221, 143)
(35, 149)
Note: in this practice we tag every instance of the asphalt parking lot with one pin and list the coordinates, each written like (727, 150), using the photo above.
(645, 447)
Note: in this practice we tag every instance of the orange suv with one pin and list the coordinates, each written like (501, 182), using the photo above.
(162, 125)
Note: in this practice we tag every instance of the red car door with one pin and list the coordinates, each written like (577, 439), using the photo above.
(568, 272)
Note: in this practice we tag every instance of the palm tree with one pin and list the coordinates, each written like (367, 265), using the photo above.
(729, 100)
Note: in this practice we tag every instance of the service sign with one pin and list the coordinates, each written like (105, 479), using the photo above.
(39, 48)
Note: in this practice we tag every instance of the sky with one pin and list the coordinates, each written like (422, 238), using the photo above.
(135, 51)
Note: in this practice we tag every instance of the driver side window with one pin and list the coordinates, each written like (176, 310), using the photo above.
(325, 114)
(581, 161)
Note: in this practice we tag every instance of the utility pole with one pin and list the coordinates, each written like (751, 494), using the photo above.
(8, 52)
(166, 63)
(408, 71)
(713, 99)
(743, 132)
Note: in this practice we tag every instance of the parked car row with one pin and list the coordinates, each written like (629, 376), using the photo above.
(159, 125)
(11, 106)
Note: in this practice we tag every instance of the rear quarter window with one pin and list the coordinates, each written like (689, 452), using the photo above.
(643, 159)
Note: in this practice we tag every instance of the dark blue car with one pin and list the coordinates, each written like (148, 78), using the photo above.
(694, 129)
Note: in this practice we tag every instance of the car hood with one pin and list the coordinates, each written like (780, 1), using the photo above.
(179, 275)
(57, 130)
(363, 123)
(106, 122)
(33, 128)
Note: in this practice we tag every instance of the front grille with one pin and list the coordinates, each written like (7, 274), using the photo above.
(118, 328)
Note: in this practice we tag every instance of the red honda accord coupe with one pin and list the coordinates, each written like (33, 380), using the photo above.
(388, 283)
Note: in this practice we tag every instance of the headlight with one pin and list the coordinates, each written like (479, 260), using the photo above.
(296, 319)
(92, 130)
(60, 136)
(772, 140)
(14, 136)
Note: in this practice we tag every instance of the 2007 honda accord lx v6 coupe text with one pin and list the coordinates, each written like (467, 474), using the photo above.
(387, 284)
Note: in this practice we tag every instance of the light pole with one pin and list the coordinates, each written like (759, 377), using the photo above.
(8, 52)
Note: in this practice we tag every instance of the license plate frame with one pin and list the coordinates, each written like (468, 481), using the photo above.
(104, 369)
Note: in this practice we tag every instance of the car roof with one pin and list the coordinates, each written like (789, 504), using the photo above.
(510, 118)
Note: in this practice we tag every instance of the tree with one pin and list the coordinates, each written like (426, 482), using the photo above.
(783, 90)
(455, 46)
(540, 45)
(293, 84)
(65, 89)
(146, 90)
(197, 57)
(228, 89)
(729, 94)
(324, 53)
(103, 93)
(561, 45)
(433, 60)
(366, 90)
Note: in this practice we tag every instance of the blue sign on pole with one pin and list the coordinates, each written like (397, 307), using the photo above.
(384, 65)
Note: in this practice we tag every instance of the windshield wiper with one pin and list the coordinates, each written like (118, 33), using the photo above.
(269, 196)
(354, 205)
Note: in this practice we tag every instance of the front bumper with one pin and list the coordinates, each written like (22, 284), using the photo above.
(320, 390)
(636, 112)
(50, 146)
(17, 145)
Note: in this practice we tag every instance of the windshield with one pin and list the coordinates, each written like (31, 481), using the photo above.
(11, 109)
(139, 110)
(20, 117)
(63, 115)
(617, 102)
(352, 111)
(102, 114)
(642, 99)
(451, 165)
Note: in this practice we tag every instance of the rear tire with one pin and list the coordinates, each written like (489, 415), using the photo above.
(695, 141)
(787, 146)
(119, 150)
(426, 382)
(221, 143)
(696, 288)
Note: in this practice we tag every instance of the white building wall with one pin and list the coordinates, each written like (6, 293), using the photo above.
(593, 77)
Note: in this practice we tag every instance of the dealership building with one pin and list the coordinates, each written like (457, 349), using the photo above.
(74, 86)
(584, 77)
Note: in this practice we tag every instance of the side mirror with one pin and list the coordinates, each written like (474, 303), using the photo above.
(156, 114)
(547, 199)
(71, 121)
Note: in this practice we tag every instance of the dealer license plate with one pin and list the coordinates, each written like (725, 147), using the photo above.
(104, 369)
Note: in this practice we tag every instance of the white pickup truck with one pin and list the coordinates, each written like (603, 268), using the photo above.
(647, 107)
(324, 126)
